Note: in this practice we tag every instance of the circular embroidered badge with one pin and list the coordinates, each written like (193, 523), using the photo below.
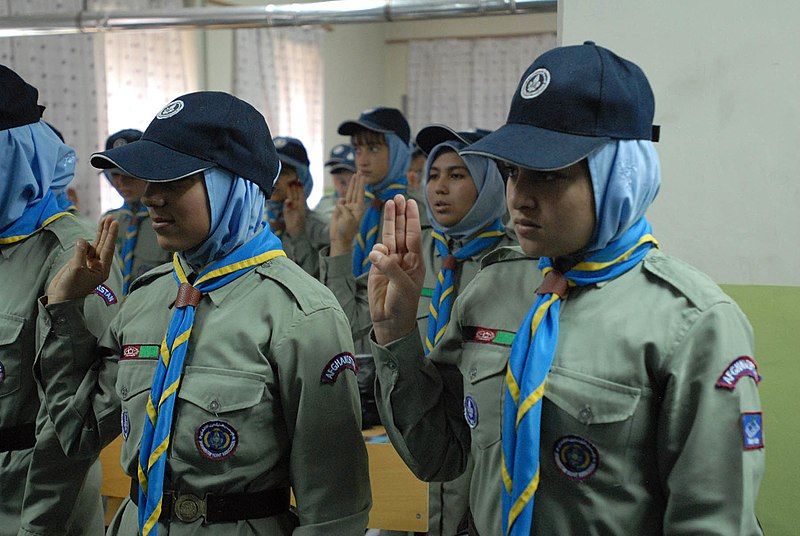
(535, 84)
(216, 440)
(470, 411)
(2, 372)
(170, 109)
(125, 422)
(576, 457)
(280, 143)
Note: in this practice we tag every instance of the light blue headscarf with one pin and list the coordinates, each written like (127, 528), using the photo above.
(491, 202)
(237, 214)
(626, 177)
(399, 160)
(34, 163)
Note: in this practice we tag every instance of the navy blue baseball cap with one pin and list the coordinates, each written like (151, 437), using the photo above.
(379, 119)
(19, 101)
(432, 135)
(123, 137)
(569, 102)
(291, 151)
(195, 132)
(342, 157)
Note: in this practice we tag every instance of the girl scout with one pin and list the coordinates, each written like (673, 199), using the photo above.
(137, 247)
(341, 166)
(41, 490)
(302, 231)
(217, 364)
(617, 395)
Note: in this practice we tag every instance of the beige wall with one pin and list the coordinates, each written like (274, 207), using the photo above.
(725, 77)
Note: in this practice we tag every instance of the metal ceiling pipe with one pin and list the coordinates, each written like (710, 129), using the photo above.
(316, 13)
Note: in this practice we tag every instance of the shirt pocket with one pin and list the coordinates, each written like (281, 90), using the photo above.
(223, 419)
(483, 368)
(134, 380)
(10, 353)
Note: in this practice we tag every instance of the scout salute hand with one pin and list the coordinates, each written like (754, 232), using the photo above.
(90, 266)
(347, 217)
(397, 273)
(294, 211)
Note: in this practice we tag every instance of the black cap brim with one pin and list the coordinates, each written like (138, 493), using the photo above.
(348, 128)
(432, 135)
(535, 148)
(289, 161)
(150, 161)
(339, 166)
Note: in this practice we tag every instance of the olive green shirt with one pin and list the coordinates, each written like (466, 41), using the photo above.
(41, 491)
(147, 254)
(304, 248)
(257, 355)
(636, 436)
(326, 206)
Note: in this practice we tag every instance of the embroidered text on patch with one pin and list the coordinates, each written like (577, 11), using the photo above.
(740, 367)
(335, 366)
(106, 293)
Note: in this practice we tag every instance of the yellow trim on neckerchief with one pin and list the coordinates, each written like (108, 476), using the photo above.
(48, 221)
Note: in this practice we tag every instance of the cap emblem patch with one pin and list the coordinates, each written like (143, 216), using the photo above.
(280, 143)
(535, 84)
(170, 109)
(119, 142)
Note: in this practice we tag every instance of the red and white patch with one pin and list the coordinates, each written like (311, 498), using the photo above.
(485, 335)
(106, 293)
(739, 368)
(339, 363)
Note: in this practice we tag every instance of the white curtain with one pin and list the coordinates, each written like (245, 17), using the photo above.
(468, 83)
(95, 84)
(280, 72)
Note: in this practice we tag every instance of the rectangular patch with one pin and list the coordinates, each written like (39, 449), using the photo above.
(482, 335)
(427, 292)
(106, 293)
(339, 363)
(139, 351)
(752, 430)
(739, 368)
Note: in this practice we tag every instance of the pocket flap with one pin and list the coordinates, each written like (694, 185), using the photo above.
(134, 377)
(10, 328)
(489, 361)
(221, 390)
(591, 400)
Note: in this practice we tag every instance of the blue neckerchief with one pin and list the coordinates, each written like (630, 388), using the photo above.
(135, 216)
(532, 355)
(34, 219)
(167, 378)
(275, 214)
(444, 292)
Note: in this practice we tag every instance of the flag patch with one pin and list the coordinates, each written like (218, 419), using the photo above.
(752, 430)
(139, 351)
(739, 368)
(106, 293)
(483, 335)
(335, 366)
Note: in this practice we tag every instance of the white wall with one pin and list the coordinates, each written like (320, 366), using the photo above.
(725, 77)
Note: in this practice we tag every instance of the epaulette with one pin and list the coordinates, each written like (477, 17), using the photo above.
(151, 275)
(693, 284)
(298, 284)
(504, 254)
(68, 229)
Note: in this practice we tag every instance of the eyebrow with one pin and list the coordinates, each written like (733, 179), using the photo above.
(450, 168)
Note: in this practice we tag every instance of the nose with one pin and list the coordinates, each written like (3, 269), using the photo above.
(362, 158)
(441, 186)
(153, 195)
(521, 194)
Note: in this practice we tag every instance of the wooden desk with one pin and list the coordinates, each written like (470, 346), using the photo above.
(399, 499)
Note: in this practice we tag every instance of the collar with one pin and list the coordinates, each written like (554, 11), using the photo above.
(216, 296)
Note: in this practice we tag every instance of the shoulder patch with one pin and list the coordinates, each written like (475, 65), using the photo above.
(106, 293)
(504, 254)
(752, 430)
(337, 365)
(151, 275)
(686, 279)
(739, 368)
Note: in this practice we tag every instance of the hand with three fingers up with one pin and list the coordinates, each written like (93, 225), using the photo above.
(346, 217)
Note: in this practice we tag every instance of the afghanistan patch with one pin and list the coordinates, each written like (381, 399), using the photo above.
(106, 293)
(216, 440)
(335, 366)
(576, 457)
(2, 373)
(470, 411)
(482, 335)
(125, 423)
(753, 430)
(139, 351)
(739, 368)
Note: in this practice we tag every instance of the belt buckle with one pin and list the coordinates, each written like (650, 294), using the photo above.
(189, 508)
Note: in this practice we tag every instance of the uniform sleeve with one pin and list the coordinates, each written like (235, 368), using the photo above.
(420, 402)
(53, 484)
(336, 273)
(328, 461)
(710, 469)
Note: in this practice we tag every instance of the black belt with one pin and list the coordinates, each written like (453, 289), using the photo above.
(213, 508)
(17, 437)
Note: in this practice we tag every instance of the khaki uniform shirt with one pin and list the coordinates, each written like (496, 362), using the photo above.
(326, 206)
(147, 254)
(304, 249)
(258, 355)
(636, 434)
(41, 491)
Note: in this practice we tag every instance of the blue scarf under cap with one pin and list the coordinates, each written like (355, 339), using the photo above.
(394, 183)
(625, 179)
(34, 165)
(483, 222)
(237, 243)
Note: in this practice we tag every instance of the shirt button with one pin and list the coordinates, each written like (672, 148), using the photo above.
(214, 405)
(586, 414)
(391, 365)
(124, 390)
(61, 320)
